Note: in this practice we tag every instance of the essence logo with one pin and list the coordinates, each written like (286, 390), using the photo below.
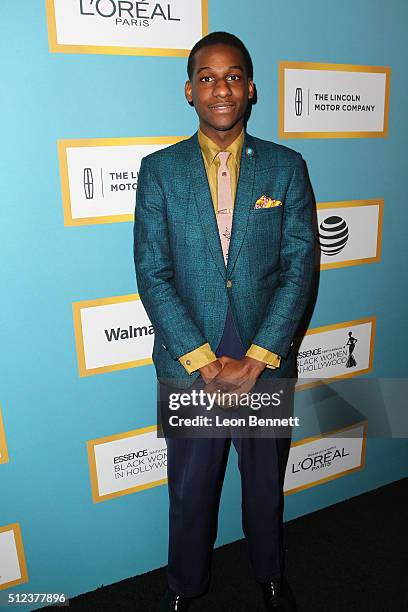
(298, 101)
(88, 184)
(333, 235)
(130, 456)
(330, 352)
(126, 462)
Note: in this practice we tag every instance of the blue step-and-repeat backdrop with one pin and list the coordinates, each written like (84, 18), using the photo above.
(89, 87)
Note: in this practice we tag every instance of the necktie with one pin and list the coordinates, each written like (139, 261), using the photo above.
(225, 203)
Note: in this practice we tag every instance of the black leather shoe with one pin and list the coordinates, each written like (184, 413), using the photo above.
(172, 602)
(278, 596)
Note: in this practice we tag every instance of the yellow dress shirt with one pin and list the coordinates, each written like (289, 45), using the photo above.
(204, 355)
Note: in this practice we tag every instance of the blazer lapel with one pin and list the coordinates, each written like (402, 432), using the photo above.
(203, 201)
(243, 200)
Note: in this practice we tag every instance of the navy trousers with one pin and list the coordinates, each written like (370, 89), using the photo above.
(196, 469)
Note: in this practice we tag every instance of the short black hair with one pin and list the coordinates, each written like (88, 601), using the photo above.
(221, 38)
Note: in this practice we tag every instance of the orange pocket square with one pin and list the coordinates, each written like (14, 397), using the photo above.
(266, 202)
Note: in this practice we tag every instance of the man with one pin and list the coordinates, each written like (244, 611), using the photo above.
(224, 260)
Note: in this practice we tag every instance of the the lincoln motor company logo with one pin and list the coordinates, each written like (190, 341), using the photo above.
(129, 13)
(333, 235)
(298, 101)
(88, 183)
(108, 182)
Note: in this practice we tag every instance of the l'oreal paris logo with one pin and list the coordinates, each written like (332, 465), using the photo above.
(320, 460)
(126, 10)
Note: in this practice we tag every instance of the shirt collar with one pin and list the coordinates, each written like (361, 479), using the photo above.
(210, 150)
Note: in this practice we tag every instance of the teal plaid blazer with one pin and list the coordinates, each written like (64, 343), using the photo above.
(182, 280)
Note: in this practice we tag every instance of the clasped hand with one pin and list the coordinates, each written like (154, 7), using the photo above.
(229, 374)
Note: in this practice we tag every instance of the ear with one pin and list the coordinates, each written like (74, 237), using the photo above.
(251, 89)
(188, 92)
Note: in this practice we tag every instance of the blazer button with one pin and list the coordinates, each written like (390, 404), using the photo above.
(164, 346)
(229, 284)
(188, 362)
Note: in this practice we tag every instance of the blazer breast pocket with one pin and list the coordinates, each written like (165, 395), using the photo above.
(272, 210)
(265, 226)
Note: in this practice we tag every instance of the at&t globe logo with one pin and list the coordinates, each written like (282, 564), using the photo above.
(333, 235)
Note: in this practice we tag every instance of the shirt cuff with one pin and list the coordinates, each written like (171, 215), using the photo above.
(198, 358)
(272, 360)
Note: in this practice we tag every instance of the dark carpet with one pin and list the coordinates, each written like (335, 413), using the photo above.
(351, 556)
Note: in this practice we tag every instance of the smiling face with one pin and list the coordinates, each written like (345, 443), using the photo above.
(220, 90)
